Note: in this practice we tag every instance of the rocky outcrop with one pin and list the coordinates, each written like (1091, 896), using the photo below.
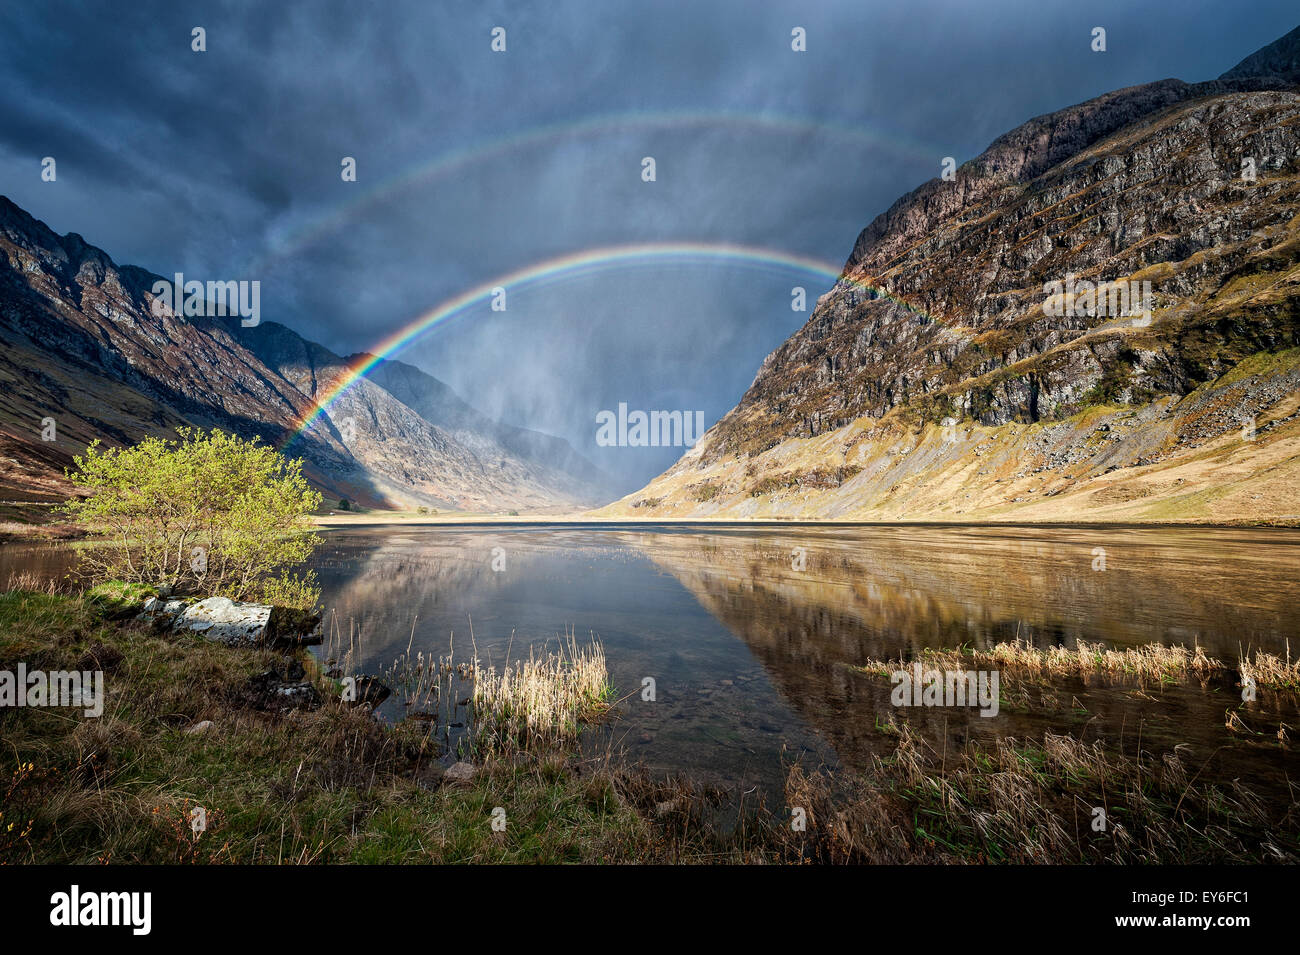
(235, 624)
(940, 368)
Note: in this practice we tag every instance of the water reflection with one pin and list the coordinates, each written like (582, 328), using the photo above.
(752, 635)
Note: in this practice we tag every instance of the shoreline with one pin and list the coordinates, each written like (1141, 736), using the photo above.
(16, 532)
(579, 522)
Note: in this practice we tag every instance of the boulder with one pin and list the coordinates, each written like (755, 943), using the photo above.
(462, 773)
(224, 620)
(235, 623)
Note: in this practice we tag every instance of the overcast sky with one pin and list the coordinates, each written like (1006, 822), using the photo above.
(472, 164)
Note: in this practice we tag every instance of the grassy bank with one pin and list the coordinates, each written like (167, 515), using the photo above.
(330, 785)
(333, 785)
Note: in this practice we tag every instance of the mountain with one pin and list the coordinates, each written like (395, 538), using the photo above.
(81, 346)
(558, 464)
(1280, 58)
(950, 375)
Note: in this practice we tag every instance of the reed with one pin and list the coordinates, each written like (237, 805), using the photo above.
(1019, 660)
(1151, 663)
(533, 704)
(543, 701)
(1268, 670)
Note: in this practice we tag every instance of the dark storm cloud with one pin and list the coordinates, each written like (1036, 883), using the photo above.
(226, 163)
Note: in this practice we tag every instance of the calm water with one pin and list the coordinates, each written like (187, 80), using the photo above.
(751, 634)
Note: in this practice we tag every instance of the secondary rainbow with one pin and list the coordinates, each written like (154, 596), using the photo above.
(427, 171)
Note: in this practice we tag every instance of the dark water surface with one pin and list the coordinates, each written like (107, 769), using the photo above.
(751, 634)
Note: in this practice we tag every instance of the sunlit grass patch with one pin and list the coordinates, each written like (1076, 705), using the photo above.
(1019, 660)
(1268, 670)
(542, 701)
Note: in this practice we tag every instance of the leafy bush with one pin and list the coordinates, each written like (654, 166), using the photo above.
(210, 512)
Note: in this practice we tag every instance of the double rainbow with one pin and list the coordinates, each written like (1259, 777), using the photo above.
(572, 265)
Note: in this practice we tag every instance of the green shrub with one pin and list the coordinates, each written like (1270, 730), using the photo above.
(211, 512)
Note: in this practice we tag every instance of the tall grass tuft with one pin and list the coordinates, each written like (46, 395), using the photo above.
(1149, 663)
(28, 582)
(1267, 670)
(542, 701)
(535, 704)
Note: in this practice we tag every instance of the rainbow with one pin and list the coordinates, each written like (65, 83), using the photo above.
(575, 264)
(295, 237)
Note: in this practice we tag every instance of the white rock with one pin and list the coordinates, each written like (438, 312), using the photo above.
(224, 620)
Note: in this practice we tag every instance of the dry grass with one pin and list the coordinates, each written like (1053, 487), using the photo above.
(32, 583)
(535, 704)
(1152, 662)
(1028, 802)
(1268, 670)
(1025, 670)
(540, 702)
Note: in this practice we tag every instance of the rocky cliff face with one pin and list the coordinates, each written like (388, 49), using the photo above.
(945, 375)
(83, 349)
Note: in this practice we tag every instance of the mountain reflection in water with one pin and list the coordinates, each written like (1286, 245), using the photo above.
(751, 635)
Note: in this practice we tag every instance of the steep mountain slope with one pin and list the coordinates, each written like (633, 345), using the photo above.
(82, 347)
(420, 442)
(1280, 58)
(939, 378)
